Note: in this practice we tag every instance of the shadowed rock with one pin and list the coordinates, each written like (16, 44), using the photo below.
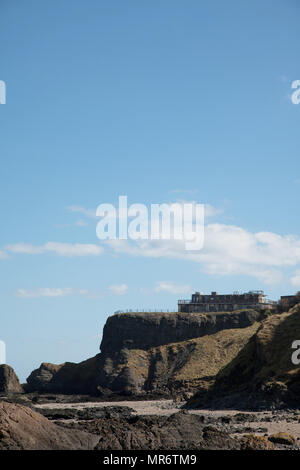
(65, 378)
(178, 431)
(9, 382)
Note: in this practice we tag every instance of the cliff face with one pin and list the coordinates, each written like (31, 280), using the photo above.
(174, 368)
(148, 330)
(156, 353)
(262, 374)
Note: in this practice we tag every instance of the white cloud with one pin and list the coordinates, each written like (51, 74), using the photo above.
(3, 254)
(26, 248)
(61, 249)
(67, 291)
(49, 292)
(118, 289)
(166, 286)
(76, 249)
(90, 213)
(228, 250)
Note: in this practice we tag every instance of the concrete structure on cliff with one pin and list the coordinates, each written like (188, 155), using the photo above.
(225, 303)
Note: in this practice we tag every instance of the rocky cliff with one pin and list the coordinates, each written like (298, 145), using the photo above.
(148, 330)
(262, 375)
(153, 353)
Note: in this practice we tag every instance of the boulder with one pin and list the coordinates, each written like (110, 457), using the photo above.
(283, 438)
(253, 442)
(9, 382)
(65, 378)
(21, 428)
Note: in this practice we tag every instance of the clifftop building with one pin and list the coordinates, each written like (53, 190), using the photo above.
(288, 301)
(224, 303)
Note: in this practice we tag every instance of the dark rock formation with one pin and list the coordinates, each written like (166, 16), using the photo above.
(9, 382)
(23, 429)
(66, 378)
(87, 413)
(178, 431)
(148, 330)
(153, 353)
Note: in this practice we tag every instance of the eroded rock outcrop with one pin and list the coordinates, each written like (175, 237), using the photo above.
(66, 378)
(9, 382)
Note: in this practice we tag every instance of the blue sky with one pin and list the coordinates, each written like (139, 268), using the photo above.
(159, 101)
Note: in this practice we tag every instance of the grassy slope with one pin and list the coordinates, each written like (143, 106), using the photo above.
(187, 364)
(263, 368)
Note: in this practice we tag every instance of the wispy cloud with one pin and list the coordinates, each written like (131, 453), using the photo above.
(61, 249)
(49, 292)
(54, 292)
(167, 286)
(90, 213)
(118, 289)
(228, 250)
